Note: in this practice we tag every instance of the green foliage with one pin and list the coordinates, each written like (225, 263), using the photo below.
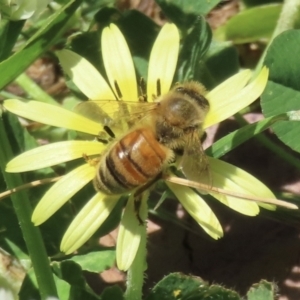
(282, 93)
(9, 32)
(71, 272)
(195, 45)
(239, 136)
(251, 24)
(37, 44)
(219, 63)
(185, 12)
(140, 38)
(97, 261)
(262, 291)
(29, 289)
(113, 292)
(260, 2)
(179, 286)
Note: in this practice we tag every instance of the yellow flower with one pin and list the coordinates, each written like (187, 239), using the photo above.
(225, 100)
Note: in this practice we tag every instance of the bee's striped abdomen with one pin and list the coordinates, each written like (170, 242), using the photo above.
(133, 161)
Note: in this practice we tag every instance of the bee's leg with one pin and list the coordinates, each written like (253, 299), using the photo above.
(138, 196)
(102, 135)
(86, 157)
(203, 137)
(91, 161)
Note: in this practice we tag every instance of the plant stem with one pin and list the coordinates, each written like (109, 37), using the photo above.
(135, 275)
(288, 17)
(8, 95)
(34, 90)
(31, 234)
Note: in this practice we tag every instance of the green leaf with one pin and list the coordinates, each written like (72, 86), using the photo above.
(38, 43)
(251, 24)
(18, 253)
(260, 2)
(179, 286)
(140, 32)
(263, 290)
(72, 274)
(15, 132)
(282, 93)
(97, 261)
(195, 44)
(106, 15)
(29, 289)
(87, 45)
(184, 12)
(9, 32)
(278, 97)
(9, 224)
(218, 64)
(112, 292)
(173, 285)
(239, 136)
(63, 288)
(141, 66)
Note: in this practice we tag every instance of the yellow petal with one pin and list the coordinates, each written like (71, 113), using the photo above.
(231, 178)
(244, 207)
(88, 220)
(53, 154)
(61, 192)
(85, 76)
(130, 233)
(198, 209)
(118, 63)
(224, 93)
(231, 96)
(163, 60)
(52, 115)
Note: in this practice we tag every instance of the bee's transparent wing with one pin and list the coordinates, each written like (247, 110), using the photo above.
(91, 110)
(111, 112)
(194, 164)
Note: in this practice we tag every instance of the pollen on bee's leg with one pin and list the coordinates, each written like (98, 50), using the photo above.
(91, 161)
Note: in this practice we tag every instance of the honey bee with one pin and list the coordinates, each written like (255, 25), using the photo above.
(168, 129)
